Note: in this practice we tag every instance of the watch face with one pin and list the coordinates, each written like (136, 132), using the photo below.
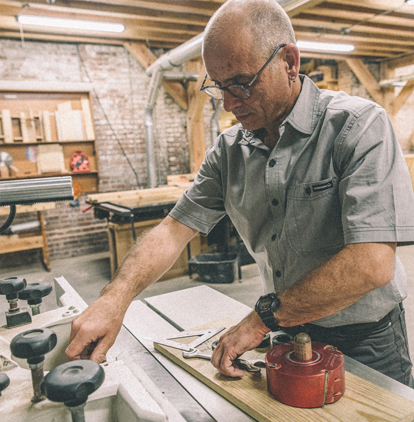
(264, 304)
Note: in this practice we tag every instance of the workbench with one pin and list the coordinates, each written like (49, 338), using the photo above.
(168, 314)
(16, 243)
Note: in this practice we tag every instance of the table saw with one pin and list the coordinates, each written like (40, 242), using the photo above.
(175, 392)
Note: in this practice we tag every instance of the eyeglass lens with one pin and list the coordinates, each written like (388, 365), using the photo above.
(235, 90)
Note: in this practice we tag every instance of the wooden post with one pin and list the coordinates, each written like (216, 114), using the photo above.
(365, 77)
(195, 117)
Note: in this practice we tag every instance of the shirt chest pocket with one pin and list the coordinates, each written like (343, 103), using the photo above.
(313, 216)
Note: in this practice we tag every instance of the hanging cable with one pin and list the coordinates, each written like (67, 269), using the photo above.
(95, 94)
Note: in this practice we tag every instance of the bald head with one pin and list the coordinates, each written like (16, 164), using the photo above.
(264, 22)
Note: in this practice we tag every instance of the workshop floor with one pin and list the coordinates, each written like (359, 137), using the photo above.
(90, 273)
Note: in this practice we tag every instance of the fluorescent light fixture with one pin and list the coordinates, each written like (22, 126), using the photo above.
(70, 23)
(399, 83)
(325, 46)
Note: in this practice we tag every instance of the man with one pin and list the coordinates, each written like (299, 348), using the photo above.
(316, 185)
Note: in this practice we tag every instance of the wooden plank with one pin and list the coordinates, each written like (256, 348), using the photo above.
(7, 126)
(144, 323)
(295, 7)
(65, 121)
(398, 102)
(362, 400)
(140, 197)
(365, 77)
(21, 209)
(195, 117)
(47, 129)
(50, 158)
(87, 119)
(15, 244)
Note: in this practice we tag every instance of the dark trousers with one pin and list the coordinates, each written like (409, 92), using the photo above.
(381, 345)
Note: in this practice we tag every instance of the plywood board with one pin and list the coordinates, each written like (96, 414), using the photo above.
(47, 129)
(65, 122)
(87, 118)
(7, 126)
(50, 159)
(362, 400)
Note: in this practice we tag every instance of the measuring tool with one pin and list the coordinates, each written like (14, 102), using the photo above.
(203, 336)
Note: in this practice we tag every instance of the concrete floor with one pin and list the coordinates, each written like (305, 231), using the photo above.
(90, 273)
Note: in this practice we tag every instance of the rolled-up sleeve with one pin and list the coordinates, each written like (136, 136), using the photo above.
(375, 187)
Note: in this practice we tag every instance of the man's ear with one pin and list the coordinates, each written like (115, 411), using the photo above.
(292, 59)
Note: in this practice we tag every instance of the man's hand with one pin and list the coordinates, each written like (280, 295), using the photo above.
(244, 336)
(94, 331)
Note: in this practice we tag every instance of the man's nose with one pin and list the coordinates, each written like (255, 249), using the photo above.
(230, 101)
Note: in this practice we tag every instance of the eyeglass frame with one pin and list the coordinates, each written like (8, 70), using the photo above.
(244, 86)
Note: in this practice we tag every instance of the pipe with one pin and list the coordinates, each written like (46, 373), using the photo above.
(181, 76)
(178, 55)
(149, 132)
(173, 58)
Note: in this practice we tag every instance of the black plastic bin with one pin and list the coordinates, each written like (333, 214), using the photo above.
(215, 267)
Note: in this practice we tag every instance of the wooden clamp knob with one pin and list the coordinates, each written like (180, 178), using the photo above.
(303, 347)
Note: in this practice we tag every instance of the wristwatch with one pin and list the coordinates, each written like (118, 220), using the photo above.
(266, 307)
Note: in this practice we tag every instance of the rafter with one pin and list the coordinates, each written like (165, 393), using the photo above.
(367, 80)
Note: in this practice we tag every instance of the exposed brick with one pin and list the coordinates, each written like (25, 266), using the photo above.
(122, 87)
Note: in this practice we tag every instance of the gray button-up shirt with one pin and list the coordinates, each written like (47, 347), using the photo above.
(336, 176)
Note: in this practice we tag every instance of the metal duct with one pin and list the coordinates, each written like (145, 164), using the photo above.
(173, 58)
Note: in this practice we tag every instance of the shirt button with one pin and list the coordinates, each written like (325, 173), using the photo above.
(278, 274)
(272, 163)
(275, 202)
(273, 237)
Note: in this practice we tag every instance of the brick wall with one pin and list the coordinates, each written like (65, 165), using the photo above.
(122, 88)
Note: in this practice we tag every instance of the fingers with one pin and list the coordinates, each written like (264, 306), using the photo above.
(224, 362)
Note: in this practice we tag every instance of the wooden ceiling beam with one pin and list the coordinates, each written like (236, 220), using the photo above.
(406, 60)
(357, 16)
(381, 5)
(398, 102)
(294, 7)
(145, 57)
(354, 36)
(160, 43)
(151, 8)
(367, 80)
(82, 9)
(339, 25)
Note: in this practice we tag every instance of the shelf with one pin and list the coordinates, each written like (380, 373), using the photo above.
(73, 174)
(42, 130)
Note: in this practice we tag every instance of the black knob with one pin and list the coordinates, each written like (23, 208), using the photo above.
(11, 286)
(4, 382)
(72, 382)
(34, 292)
(33, 344)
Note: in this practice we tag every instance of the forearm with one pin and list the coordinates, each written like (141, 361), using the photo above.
(337, 284)
(148, 260)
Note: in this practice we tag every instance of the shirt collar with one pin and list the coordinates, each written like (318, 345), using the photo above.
(303, 116)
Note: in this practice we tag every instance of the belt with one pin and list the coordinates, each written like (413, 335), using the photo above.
(360, 327)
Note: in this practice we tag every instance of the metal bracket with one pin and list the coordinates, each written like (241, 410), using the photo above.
(203, 336)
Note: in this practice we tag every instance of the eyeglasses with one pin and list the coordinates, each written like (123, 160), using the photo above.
(240, 91)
